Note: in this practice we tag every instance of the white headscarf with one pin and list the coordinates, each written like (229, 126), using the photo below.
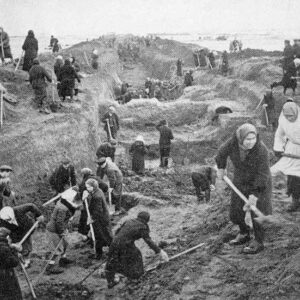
(297, 62)
(7, 214)
(140, 138)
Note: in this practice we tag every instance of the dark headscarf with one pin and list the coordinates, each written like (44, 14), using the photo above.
(35, 62)
(144, 216)
(31, 33)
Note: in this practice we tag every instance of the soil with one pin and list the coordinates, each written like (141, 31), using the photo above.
(34, 144)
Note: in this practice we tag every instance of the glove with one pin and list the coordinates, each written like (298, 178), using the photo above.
(85, 194)
(41, 219)
(75, 188)
(251, 202)
(221, 173)
(265, 105)
(65, 233)
(17, 247)
(110, 190)
(89, 221)
(278, 153)
(212, 187)
(163, 256)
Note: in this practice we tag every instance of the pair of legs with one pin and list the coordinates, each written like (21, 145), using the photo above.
(292, 84)
(293, 189)
(40, 93)
(164, 156)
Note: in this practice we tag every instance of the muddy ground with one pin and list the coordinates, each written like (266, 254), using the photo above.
(33, 144)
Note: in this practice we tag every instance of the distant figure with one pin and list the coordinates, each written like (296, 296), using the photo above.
(4, 43)
(196, 58)
(165, 138)
(37, 78)
(296, 48)
(148, 86)
(204, 180)
(220, 110)
(188, 78)
(269, 106)
(212, 59)
(67, 77)
(63, 177)
(95, 57)
(138, 151)
(52, 40)
(57, 65)
(31, 48)
(76, 67)
(202, 58)
(55, 47)
(288, 54)
(111, 123)
(107, 149)
(179, 64)
(224, 66)
(288, 80)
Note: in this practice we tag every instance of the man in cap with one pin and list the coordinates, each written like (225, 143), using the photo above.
(123, 256)
(166, 136)
(64, 176)
(115, 178)
(9, 284)
(87, 173)
(288, 54)
(107, 149)
(4, 45)
(37, 78)
(111, 123)
(19, 220)
(57, 229)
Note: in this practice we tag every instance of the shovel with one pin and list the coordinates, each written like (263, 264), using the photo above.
(108, 128)
(27, 279)
(261, 217)
(17, 66)
(91, 225)
(111, 208)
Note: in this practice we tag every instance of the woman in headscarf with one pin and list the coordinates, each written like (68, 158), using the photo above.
(31, 48)
(138, 151)
(99, 215)
(252, 177)
(287, 142)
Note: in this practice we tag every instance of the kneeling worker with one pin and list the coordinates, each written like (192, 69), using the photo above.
(123, 256)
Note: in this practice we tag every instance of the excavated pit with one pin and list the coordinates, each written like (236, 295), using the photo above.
(33, 145)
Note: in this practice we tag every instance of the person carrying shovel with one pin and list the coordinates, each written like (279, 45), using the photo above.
(287, 148)
(111, 123)
(253, 178)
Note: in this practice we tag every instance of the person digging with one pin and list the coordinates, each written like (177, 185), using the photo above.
(123, 255)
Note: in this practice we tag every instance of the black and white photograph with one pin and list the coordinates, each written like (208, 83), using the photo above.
(149, 150)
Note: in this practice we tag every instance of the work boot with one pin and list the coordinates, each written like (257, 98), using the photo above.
(64, 261)
(254, 247)
(54, 269)
(240, 239)
(294, 206)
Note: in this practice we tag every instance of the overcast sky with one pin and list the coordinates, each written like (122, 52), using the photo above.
(95, 17)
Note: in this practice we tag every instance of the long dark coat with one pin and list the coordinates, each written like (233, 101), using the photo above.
(138, 151)
(100, 215)
(63, 177)
(123, 256)
(67, 76)
(9, 285)
(31, 48)
(113, 121)
(251, 176)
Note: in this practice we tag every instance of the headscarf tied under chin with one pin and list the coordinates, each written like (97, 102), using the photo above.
(241, 134)
(290, 109)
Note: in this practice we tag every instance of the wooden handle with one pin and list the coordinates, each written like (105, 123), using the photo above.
(91, 225)
(28, 280)
(28, 233)
(242, 196)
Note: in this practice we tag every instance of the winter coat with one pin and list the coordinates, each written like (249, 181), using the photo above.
(138, 151)
(5, 40)
(251, 176)
(106, 150)
(60, 217)
(31, 48)
(288, 54)
(114, 175)
(38, 76)
(9, 285)
(100, 216)
(166, 136)
(62, 177)
(113, 121)
(24, 220)
(291, 71)
(5, 190)
(287, 139)
(67, 76)
(188, 79)
(123, 256)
